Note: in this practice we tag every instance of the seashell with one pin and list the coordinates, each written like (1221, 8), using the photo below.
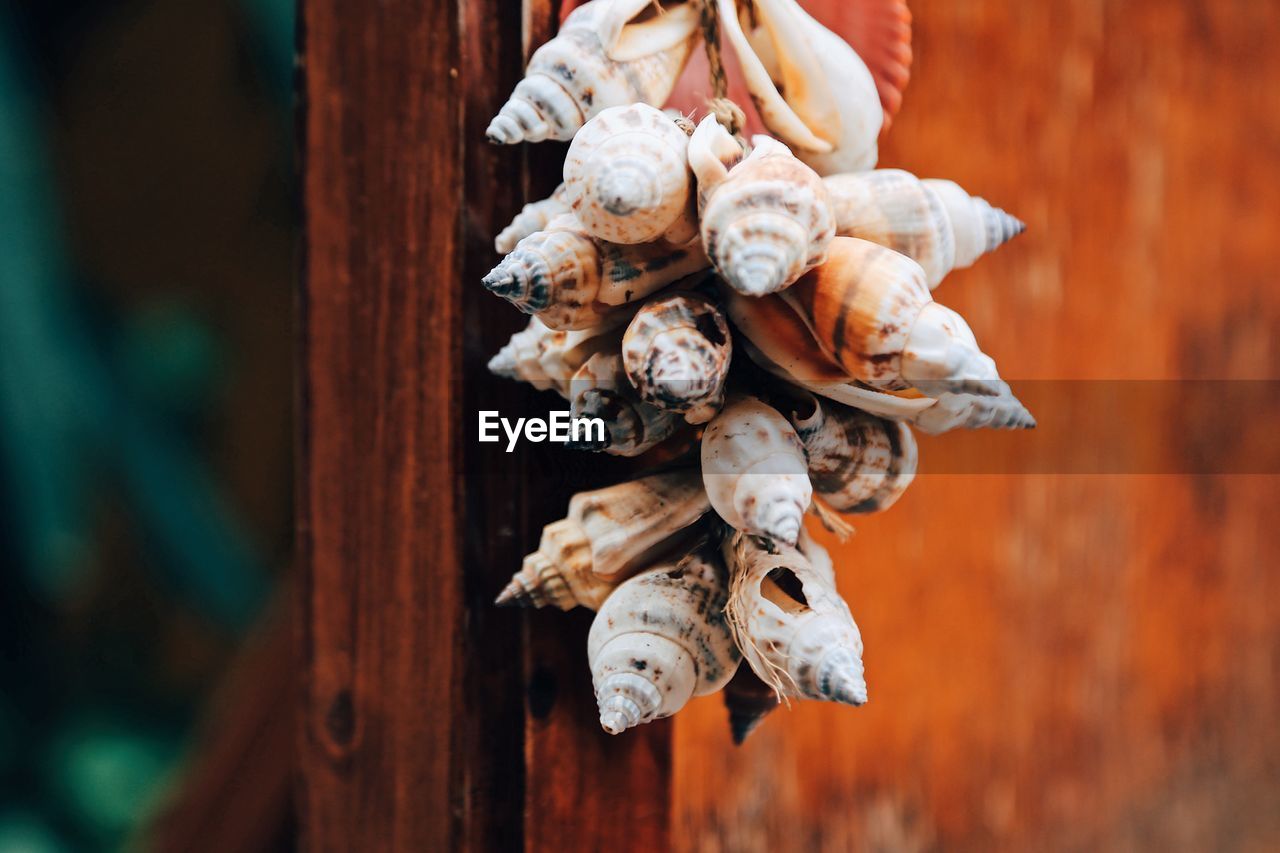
(600, 389)
(754, 470)
(608, 535)
(794, 629)
(858, 463)
(608, 53)
(676, 353)
(627, 180)
(660, 639)
(749, 700)
(811, 89)
(767, 221)
(935, 223)
(547, 359)
(533, 217)
(570, 280)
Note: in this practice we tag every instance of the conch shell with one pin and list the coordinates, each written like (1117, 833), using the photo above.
(794, 629)
(600, 389)
(754, 469)
(858, 463)
(677, 352)
(935, 223)
(571, 280)
(811, 89)
(608, 53)
(608, 535)
(627, 179)
(533, 217)
(547, 359)
(749, 700)
(660, 639)
(766, 221)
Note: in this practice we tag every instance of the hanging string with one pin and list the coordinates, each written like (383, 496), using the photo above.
(729, 114)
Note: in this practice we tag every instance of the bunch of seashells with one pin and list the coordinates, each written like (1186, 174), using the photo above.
(668, 249)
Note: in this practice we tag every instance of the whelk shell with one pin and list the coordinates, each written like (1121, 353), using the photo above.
(547, 359)
(600, 389)
(677, 352)
(533, 217)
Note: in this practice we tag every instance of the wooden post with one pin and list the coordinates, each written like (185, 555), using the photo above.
(413, 732)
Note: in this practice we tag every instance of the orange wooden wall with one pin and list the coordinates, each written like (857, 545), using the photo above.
(1059, 660)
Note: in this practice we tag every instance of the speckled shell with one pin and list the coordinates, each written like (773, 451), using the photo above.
(600, 389)
(571, 280)
(547, 359)
(793, 628)
(935, 223)
(627, 179)
(754, 470)
(533, 217)
(677, 352)
(767, 222)
(858, 463)
(608, 535)
(811, 89)
(608, 53)
(660, 639)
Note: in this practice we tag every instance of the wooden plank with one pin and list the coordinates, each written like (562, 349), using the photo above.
(1063, 662)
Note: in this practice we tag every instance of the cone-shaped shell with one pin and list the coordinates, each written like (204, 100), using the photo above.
(748, 700)
(627, 178)
(754, 469)
(547, 359)
(558, 573)
(601, 391)
(533, 217)
(858, 463)
(935, 223)
(571, 280)
(608, 53)
(794, 629)
(677, 352)
(767, 222)
(811, 89)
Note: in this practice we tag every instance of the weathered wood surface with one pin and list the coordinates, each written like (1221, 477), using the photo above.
(1055, 661)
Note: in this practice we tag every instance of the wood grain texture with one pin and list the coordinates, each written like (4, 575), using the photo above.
(1063, 662)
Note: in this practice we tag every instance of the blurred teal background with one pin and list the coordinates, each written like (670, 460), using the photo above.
(146, 228)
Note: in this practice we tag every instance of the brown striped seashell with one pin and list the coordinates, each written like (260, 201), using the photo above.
(600, 390)
(935, 223)
(547, 359)
(571, 280)
(660, 639)
(533, 217)
(754, 470)
(676, 352)
(608, 535)
(627, 179)
(608, 53)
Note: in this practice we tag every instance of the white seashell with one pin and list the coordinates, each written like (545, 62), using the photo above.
(571, 280)
(754, 469)
(858, 463)
(811, 89)
(935, 223)
(659, 640)
(794, 629)
(547, 359)
(627, 180)
(533, 217)
(676, 353)
(768, 221)
(608, 53)
(608, 535)
(600, 389)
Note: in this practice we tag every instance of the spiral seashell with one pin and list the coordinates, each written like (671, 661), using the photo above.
(600, 389)
(661, 639)
(811, 89)
(935, 223)
(533, 217)
(608, 53)
(547, 359)
(570, 280)
(676, 353)
(748, 700)
(793, 628)
(858, 463)
(768, 221)
(627, 179)
(754, 469)
(608, 535)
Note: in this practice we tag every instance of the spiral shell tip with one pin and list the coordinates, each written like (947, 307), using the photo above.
(511, 596)
(850, 690)
(503, 131)
(1003, 227)
(758, 279)
(613, 722)
(741, 725)
(500, 281)
(622, 192)
(504, 364)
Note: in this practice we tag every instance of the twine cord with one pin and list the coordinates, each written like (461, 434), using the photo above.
(727, 113)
